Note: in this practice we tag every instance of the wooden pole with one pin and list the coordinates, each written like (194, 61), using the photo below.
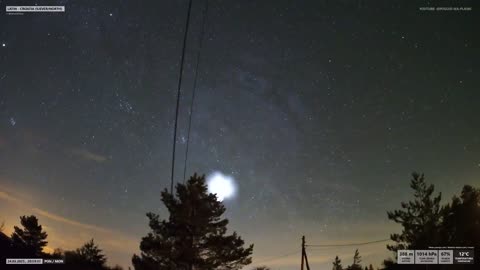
(303, 251)
(306, 261)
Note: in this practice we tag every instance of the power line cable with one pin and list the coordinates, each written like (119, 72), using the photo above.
(327, 245)
(182, 60)
(278, 257)
(204, 24)
(350, 244)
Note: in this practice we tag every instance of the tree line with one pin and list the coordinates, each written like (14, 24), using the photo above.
(426, 222)
(194, 235)
(29, 241)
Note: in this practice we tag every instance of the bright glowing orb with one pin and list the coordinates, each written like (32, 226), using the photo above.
(222, 185)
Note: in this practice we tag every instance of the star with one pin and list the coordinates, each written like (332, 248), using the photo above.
(4, 45)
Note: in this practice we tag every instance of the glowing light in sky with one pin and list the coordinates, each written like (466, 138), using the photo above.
(222, 185)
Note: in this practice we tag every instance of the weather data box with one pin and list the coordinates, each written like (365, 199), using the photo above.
(406, 256)
(463, 256)
(426, 256)
(445, 257)
(440, 255)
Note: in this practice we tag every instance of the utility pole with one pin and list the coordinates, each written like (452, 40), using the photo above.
(303, 251)
(306, 261)
(304, 255)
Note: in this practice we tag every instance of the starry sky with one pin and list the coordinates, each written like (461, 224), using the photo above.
(319, 110)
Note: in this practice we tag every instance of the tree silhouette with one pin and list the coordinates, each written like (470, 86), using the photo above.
(261, 268)
(89, 256)
(462, 219)
(337, 264)
(421, 218)
(30, 240)
(357, 259)
(461, 222)
(370, 267)
(58, 253)
(426, 223)
(194, 236)
(6, 247)
(92, 253)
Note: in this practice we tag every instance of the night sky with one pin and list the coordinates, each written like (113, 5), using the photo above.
(320, 111)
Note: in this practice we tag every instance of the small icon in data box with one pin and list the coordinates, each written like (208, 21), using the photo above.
(445, 256)
(405, 257)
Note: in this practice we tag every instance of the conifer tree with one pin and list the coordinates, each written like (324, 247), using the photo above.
(337, 264)
(420, 218)
(194, 236)
(31, 239)
(357, 259)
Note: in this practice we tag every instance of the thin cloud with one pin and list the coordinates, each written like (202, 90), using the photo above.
(5, 196)
(16, 200)
(8, 196)
(85, 154)
(117, 245)
(69, 221)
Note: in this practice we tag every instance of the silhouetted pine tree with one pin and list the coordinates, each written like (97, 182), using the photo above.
(421, 218)
(261, 268)
(357, 259)
(92, 253)
(426, 223)
(30, 240)
(89, 256)
(337, 264)
(6, 247)
(194, 236)
(461, 222)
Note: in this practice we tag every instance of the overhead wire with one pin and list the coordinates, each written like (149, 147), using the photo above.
(350, 244)
(277, 257)
(200, 46)
(179, 86)
(323, 246)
